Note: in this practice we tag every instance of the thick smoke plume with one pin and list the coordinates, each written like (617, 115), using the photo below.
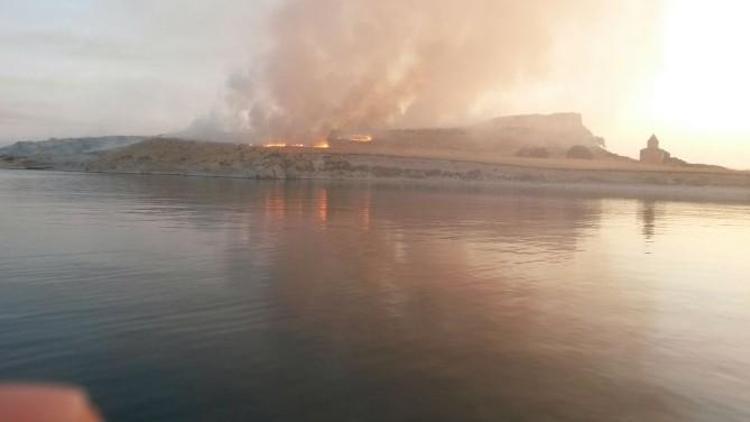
(361, 64)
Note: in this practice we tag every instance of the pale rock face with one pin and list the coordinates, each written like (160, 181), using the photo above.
(561, 130)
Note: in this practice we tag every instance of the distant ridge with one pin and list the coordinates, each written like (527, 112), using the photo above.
(68, 146)
(71, 153)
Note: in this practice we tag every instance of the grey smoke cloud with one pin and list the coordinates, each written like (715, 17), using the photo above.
(353, 64)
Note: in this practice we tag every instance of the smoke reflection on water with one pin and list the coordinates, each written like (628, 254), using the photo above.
(210, 299)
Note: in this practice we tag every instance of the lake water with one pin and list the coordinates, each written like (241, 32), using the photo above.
(190, 299)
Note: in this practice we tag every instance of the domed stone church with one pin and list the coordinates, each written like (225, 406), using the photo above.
(652, 154)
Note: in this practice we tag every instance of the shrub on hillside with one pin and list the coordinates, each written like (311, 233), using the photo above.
(533, 152)
(580, 152)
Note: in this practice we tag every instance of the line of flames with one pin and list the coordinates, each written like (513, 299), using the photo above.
(356, 138)
(285, 145)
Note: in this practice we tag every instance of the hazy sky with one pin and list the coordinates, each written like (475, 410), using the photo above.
(90, 67)
(97, 67)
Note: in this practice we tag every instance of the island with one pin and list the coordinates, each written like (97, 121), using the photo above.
(544, 151)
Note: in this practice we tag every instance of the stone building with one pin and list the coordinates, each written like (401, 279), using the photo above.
(652, 154)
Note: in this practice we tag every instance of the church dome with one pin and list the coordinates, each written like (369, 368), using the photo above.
(653, 142)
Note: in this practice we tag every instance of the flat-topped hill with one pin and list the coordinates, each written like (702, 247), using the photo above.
(556, 134)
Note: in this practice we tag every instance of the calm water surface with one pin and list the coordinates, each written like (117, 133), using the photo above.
(188, 299)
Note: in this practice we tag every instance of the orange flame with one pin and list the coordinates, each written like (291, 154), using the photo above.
(323, 143)
(361, 138)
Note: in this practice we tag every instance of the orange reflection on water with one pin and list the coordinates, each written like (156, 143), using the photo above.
(365, 210)
(275, 204)
(321, 202)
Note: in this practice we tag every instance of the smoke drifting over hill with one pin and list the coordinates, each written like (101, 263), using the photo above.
(357, 64)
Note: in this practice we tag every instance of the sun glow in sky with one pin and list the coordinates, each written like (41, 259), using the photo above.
(701, 88)
(704, 82)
